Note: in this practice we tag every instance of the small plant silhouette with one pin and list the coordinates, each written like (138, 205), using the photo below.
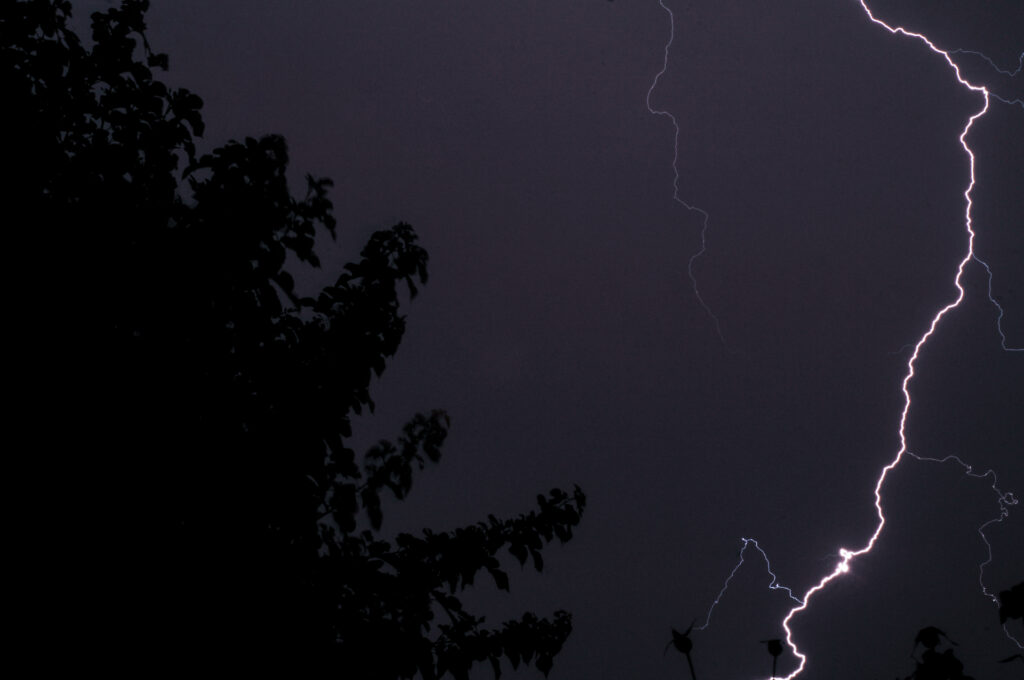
(930, 637)
(684, 645)
(775, 649)
(933, 664)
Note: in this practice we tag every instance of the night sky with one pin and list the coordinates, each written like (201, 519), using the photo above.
(560, 331)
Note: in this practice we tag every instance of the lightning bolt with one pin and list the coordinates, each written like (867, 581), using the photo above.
(1005, 499)
(994, 65)
(705, 218)
(999, 319)
(774, 585)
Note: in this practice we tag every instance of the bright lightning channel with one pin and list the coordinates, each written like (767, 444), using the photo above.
(675, 172)
(1005, 499)
(848, 556)
(995, 67)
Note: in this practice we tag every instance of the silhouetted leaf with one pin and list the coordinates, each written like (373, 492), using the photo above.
(519, 551)
(500, 579)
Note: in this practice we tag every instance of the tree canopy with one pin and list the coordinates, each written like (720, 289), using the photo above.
(206, 408)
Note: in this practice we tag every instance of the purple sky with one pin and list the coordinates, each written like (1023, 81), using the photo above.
(560, 331)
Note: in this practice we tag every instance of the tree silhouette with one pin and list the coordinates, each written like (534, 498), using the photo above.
(201, 404)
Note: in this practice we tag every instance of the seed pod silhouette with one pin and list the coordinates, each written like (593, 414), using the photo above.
(683, 644)
(775, 649)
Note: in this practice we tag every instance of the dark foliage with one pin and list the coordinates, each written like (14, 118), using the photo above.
(1011, 603)
(200, 405)
(933, 664)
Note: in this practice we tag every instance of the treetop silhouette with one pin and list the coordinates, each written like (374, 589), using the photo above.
(207, 401)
